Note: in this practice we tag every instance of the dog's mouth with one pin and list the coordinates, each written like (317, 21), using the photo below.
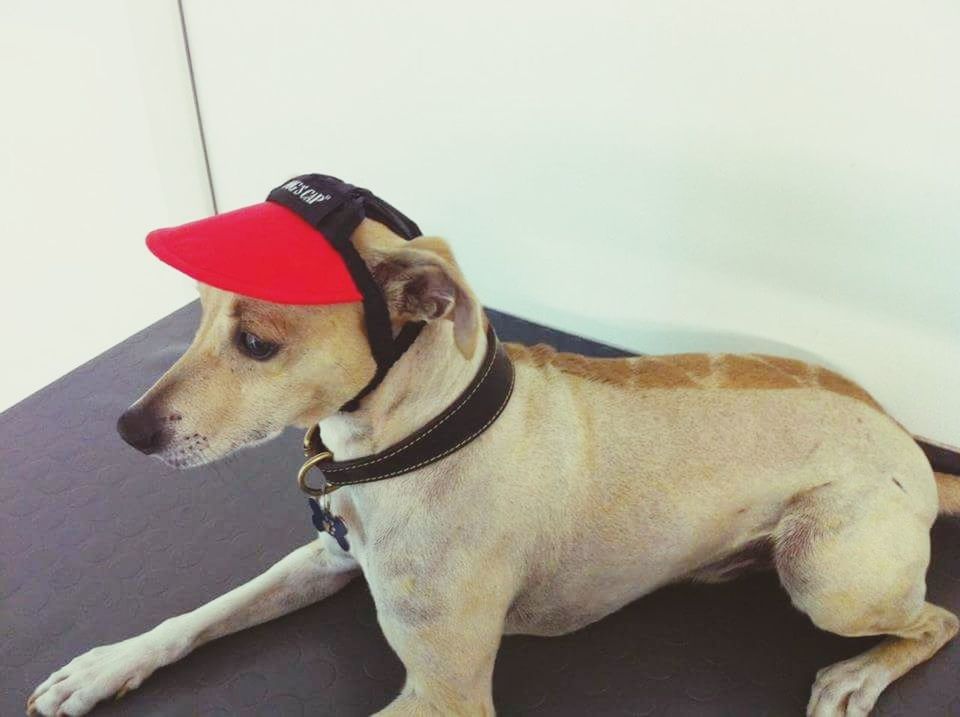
(192, 450)
(188, 451)
(164, 436)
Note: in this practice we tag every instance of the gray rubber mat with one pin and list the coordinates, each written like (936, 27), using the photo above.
(99, 543)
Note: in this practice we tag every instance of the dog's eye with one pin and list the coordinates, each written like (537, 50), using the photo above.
(255, 347)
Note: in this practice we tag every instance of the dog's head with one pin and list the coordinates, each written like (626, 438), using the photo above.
(255, 367)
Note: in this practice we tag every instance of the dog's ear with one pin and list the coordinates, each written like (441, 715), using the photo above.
(422, 282)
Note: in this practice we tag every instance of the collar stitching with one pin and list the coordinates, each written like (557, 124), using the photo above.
(446, 452)
(399, 449)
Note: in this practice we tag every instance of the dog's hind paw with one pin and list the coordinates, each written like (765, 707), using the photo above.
(847, 689)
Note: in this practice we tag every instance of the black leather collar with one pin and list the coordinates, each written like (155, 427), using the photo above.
(466, 418)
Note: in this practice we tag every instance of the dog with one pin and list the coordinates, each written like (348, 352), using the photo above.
(686, 467)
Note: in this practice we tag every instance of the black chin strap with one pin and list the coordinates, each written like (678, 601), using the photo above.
(336, 208)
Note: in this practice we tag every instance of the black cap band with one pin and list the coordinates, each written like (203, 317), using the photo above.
(336, 208)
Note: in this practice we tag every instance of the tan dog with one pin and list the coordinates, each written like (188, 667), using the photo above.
(696, 463)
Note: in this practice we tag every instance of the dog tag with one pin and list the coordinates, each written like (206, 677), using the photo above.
(327, 522)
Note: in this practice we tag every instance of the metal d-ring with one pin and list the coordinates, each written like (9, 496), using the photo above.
(312, 462)
(308, 439)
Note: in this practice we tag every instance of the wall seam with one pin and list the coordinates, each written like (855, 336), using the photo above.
(196, 107)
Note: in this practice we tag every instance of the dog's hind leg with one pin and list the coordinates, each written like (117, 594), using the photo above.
(306, 575)
(852, 687)
(855, 562)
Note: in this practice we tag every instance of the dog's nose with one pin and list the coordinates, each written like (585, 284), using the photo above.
(140, 428)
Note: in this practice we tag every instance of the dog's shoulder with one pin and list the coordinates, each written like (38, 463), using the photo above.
(692, 370)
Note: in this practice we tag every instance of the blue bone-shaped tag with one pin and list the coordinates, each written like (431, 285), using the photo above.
(326, 522)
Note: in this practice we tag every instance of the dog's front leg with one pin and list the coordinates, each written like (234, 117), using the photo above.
(306, 575)
(449, 668)
(447, 639)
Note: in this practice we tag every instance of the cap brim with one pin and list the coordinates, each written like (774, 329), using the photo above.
(264, 251)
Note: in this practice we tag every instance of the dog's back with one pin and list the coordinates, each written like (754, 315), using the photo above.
(693, 370)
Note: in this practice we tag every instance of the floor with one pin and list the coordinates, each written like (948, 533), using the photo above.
(98, 543)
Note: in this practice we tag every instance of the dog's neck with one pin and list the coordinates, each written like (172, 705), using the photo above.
(429, 376)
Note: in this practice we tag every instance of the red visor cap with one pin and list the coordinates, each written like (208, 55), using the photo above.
(264, 251)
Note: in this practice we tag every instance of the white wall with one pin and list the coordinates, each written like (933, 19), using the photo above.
(663, 176)
(98, 145)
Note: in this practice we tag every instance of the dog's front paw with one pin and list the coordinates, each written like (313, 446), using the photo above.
(95, 675)
(847, 689)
